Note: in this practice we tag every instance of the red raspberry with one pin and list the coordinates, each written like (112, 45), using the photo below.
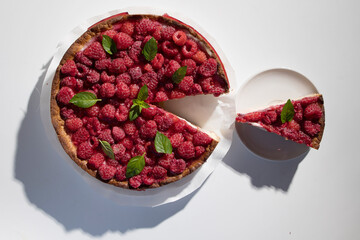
(128, 61)
(128, 143)
(176, 140)
(128, 28)
(169, 86)
(159, 172)
(138, 150)
(177, 166)
(110, 33)
(135, 181)
(311, 128)
(144, 27)
(73, 124)
(105, 78)
(167, 32)
(269, 117)
(103, 64)
(207, 84)
(191, 66)
(95, 161)
(199, 150)
(122, 91)
(253, 117)
(157, 33)
(93, 76)
(69, 68)
(139, 121)
(67, 113)
(186, 150)
(125, 159)
(179, 38)
(294, 125)
(148, 68)
(150, 79)
(308, 100)
(208, 68)
(105, 135)
(201, 139)
(106, 172)
(68, 82)
(95, 51)
(117, 66)
(84, 150)
(303, 138)
(189, 49)
(186, 84)
(171, 68)
(119, 151)
(112, 162)
(81, 58)
(178, 58)
(134, 89)
(123, 41)
(161, 74)
(169, 48)
(147, 175)
(158, 61)
(130, 128)
(124, 77)
(179, 126)
(313, 111)
(93, 111)
(149, 113)
(135, 73)
(196, 89)
(82, 70)
(107, 90)
(165, 160)
(135, 51)
(176, 94)
(199, 56)
(148, 130)
(160, 97)
(65, 95)
(298, 112)
(118, 133)
(120, 174)
(164, 122)
(93, 125)
(107, 112)
(122, 113)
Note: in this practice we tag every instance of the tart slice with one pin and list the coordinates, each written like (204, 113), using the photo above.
(301, 120)
(105, 95)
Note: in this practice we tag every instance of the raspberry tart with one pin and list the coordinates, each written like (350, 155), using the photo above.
(106, 92)
(301, 120)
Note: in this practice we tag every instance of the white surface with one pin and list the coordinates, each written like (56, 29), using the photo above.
(245, 197)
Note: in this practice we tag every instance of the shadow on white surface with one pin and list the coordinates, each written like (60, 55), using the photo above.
(52, 186)
(277, 174)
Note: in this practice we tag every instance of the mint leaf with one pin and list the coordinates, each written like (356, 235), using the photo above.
(143, 93)
(109, 45)
(84, 99)
(287, 112)
(179, 74)
(150, 49)
(135, 166)
(162, 143)
(139, 104)
(134, 112)
(107, 149)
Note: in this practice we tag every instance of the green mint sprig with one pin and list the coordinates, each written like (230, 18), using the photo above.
(287, 113)
(139, 104)
(109, 45)
(150, 49)
(84, 99)
(179, 74)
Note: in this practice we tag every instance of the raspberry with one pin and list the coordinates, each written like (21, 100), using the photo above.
(253, 117)
(95, 161)
(171, 68)
(106, 172)
(123, 41)
(191, 66)
(139, 38)
(107, 112)
(186, 150)
(122, 113)
(124, 77)
(149, 113)
(134, 89)
(128, 61)
(269, 117)
(118, 133)
(139, 121)
(165, 160)
(112, 162)
(169, 48)
(138, 150)
(161, 74)
(135, 181)
(311, 128)
(150, 161)
(110, 33)
(178, 57)
(127, 28)
(206, 84)
(148, 130)
(95, 51)
(64, 95)
(79, 84)
(159, 172)
(84, 151)
(148, 68)
(147, 175)
(93, 126)
(208, 68)
(135, 51)
(73, 124)
(189, 49)
(67, 113)
(105, 135)
(69, 68)
(117, 66)
(179, 126)
(313, 111)
(68, 82)
(119, 151)
(199, 56)
(199, 150)
(294, 125)
(107, 90)
(94, 142)
(186, 84)
(303, 138)
(128, 144)
(177, 166)
(93, 111)
(164, 122)
(105, 78)
(179, 38)
(158, 61)
(177, 94)
(82, 70)
(201, 139)
(129, 128)
(81, 58)
(167, 32)
(169, 86)
(150, 79)
(135, 73)
(308, 100)
(122, 91)
(157, 33)
(289, 133)
(196, 89)
(176, 140)
(93, 76)
(120, 173)
(160, 97)
(103, 64)
(298, 112)
(144, 27)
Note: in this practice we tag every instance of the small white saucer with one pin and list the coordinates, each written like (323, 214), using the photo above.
(271, 87)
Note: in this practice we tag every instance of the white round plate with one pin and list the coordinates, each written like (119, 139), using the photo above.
(267, 88)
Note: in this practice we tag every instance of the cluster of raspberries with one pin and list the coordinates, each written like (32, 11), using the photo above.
(301, 129)
(116, 79)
